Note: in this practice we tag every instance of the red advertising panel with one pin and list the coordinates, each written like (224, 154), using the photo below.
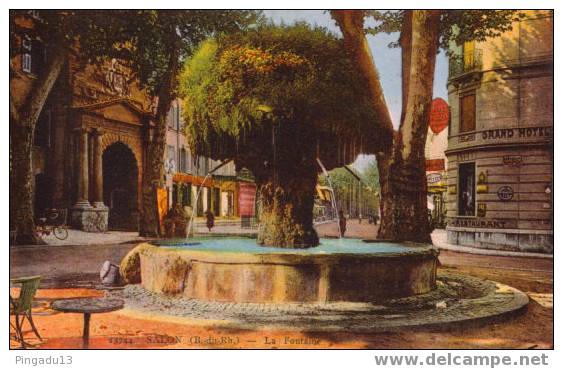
(439, 115)
(246, 198)
(435, 165)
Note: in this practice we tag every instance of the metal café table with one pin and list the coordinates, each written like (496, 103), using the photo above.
(87, 306)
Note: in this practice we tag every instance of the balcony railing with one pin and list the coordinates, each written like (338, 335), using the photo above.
(471, 62)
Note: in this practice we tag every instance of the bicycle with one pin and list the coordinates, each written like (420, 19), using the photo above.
(52, 223)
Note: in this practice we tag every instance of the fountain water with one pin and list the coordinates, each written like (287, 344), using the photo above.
(194, 211)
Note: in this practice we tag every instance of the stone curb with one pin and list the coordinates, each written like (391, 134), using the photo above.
(498, 304)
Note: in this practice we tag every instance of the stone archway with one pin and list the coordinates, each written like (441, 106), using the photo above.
(120, 183)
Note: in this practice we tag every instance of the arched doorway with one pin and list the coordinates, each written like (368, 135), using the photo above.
(120, 174)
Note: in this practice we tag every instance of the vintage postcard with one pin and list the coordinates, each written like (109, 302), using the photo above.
(282, 179)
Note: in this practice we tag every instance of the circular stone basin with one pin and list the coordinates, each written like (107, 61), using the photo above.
(237, 270)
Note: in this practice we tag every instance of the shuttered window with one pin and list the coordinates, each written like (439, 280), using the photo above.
(468, 55)
(467, 113)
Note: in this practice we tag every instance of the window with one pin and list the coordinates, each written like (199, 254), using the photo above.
(26, 54)
(468, 55)
(188, 161)
(170, 152)
(174, 195)
(183, 166)
(177, 117)
(187, 194)
(34, 14)
(173, 117)
(33, 55)
(467, 113)
(466, 194)
(170, 118)
(170, 163)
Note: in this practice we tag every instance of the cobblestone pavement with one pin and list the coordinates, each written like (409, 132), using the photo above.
(457, 299)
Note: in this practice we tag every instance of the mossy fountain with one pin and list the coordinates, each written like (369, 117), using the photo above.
(276, 100)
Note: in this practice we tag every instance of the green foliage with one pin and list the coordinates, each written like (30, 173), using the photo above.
(456, 26)
(67, 27)
(370, 175)
(149, 38)
(237, 84)
(343, 181)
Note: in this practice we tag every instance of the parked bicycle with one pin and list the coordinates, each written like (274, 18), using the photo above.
(53, 222)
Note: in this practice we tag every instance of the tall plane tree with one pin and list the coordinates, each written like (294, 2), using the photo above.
(401, 163)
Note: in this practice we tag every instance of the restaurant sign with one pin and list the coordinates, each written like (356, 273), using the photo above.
(482, 223)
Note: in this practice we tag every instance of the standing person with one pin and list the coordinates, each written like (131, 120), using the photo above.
(341, 223)
(210, 219)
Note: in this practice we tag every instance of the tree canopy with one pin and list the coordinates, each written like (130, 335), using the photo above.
(456, 26)
(237, 86)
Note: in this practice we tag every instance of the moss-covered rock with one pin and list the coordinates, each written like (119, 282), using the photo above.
(130, 266)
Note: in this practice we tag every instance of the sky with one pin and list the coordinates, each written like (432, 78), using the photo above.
(387, 61)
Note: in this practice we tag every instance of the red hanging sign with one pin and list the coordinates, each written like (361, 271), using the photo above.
(439, 115)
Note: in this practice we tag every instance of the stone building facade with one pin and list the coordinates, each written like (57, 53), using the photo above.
(91, 143)
(90, 140)
(500, 145)
(185, 175)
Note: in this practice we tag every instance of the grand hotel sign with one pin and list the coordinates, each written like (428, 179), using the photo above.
(508, 134)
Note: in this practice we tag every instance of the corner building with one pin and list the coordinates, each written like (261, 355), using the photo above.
(500, 144)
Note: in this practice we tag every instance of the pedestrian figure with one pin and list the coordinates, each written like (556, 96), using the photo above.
(210, 220)
(341, 223)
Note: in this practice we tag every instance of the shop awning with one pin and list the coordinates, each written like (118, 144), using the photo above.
(195, 180)
(324, 193)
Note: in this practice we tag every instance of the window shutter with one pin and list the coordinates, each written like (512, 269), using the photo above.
(467, 113)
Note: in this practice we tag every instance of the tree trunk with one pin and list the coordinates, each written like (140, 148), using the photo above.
(286, 178)
(403, 184)
(22, 130)
(149, 225)
(351, 23)
(287, 198)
